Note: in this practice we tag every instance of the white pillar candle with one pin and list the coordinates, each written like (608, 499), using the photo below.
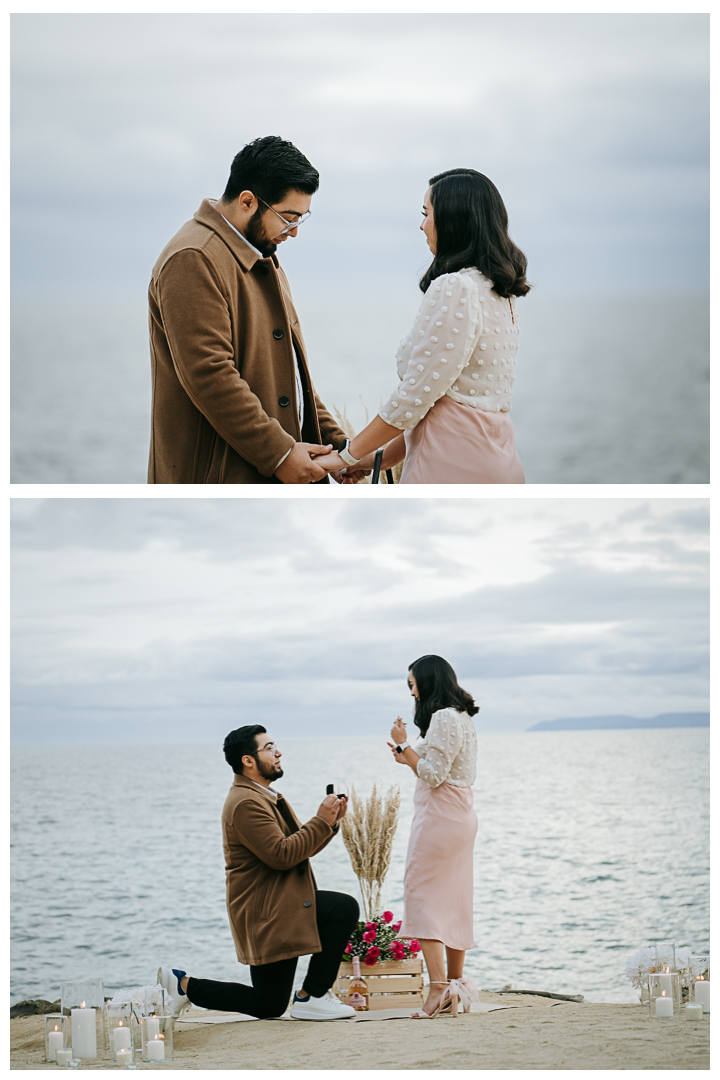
(155, 1049)
(665, 983)
(123, 1056)
(84, 1033)
(152, 1027)
(121, 1038)
(63, 1056)
(663, 1006)
(55, 1042)
(693, 1010)
(702, 993)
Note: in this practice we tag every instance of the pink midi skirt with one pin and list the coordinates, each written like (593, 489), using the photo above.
(458, 444)
(439, 867)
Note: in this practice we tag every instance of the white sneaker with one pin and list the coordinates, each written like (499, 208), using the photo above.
(169, 978)
(327, 1007)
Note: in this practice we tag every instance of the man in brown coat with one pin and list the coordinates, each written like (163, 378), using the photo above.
(276, 911)
(232, 398)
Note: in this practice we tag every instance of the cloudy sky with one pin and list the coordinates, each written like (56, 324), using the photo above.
(594, 127)
(139, 620)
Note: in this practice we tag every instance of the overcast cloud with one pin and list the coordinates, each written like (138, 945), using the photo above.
(145, 620)
(594, 127)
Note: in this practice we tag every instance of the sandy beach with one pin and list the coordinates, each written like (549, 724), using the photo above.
(526, 1034)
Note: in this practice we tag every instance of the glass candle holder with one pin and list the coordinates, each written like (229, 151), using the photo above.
(693, 1011)
(118, 1021)
(63, 1056)
(700, 992)
(157, 1041)
(664, 990)
(56, 1035)
(699, 964)
(84, 1003)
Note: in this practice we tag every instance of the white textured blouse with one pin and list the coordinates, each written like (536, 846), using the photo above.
(462, 345)
(448, 753)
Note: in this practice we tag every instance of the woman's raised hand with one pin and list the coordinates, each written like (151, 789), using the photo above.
(399, 731)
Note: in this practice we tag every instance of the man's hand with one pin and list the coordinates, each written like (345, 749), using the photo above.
(299, 467)
(331, 809)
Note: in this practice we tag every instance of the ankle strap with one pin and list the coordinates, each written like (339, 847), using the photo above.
(439, 982)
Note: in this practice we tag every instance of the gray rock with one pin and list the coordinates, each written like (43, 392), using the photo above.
(33, 1006)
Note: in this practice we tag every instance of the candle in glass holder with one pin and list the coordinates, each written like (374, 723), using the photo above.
(693, 1010)
(702, 993)
(123, 1056)
(55, 1043)
(152, 1027)
(63, 1056)
(665, 982)
(155, 1049)
(664, 1006)
(121, 1037)
(84, 1032)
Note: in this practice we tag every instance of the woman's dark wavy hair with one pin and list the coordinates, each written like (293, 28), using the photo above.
(471, 223)
(438, 689)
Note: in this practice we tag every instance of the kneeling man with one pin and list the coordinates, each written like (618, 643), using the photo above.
(276, 911)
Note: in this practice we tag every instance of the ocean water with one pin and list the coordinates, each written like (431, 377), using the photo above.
(609, 389)
(590, 845)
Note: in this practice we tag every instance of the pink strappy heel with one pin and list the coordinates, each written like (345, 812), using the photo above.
(422, 1015)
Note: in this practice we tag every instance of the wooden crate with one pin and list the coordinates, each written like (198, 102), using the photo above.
(392, 984)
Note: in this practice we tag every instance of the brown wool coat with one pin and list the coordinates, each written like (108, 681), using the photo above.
(270, 885)
(222, 328)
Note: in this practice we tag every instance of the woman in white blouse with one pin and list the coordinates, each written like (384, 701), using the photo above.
(439, 867)
(457, 365)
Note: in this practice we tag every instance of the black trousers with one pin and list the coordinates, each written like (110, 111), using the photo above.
(337, 916)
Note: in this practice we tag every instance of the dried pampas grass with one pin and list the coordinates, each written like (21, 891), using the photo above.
(368, 829)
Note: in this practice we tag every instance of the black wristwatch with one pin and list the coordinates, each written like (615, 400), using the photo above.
(399, 749)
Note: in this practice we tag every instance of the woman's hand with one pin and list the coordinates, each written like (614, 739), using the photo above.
(399, 731)
(398, 757)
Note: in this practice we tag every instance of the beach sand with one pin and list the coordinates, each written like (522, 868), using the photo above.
(532, 1035)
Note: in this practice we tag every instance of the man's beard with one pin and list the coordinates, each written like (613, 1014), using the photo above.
(254, 234)
(268, 772)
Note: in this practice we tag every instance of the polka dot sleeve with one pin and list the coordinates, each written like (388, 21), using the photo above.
(443, 337)
(443, 743)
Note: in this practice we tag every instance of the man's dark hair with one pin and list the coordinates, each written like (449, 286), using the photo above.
(240, 742)
(271, 167)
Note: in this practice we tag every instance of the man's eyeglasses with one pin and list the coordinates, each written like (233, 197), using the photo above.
(270, 747)
(289, 225)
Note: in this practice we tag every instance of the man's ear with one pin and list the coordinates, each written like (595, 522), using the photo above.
(246, 200)
(248, 761)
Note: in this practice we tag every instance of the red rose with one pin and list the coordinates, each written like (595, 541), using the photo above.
(388, 916)
(396, 926)
(349, 948)
(370, 925)
(370, 960)
(415, 946)
(373, 951)
(369, 935)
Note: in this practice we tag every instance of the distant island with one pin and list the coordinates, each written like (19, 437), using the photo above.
(586, 723)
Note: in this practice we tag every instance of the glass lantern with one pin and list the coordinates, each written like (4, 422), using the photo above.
(118, 1019)
(664, 990)
(56, 1035)
(84, 1003)
(157, 1042)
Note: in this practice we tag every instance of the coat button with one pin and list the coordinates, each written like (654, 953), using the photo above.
(278, 334)
(307, 904)
(284, 401)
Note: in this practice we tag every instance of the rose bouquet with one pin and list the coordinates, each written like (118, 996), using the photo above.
(377, 939)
